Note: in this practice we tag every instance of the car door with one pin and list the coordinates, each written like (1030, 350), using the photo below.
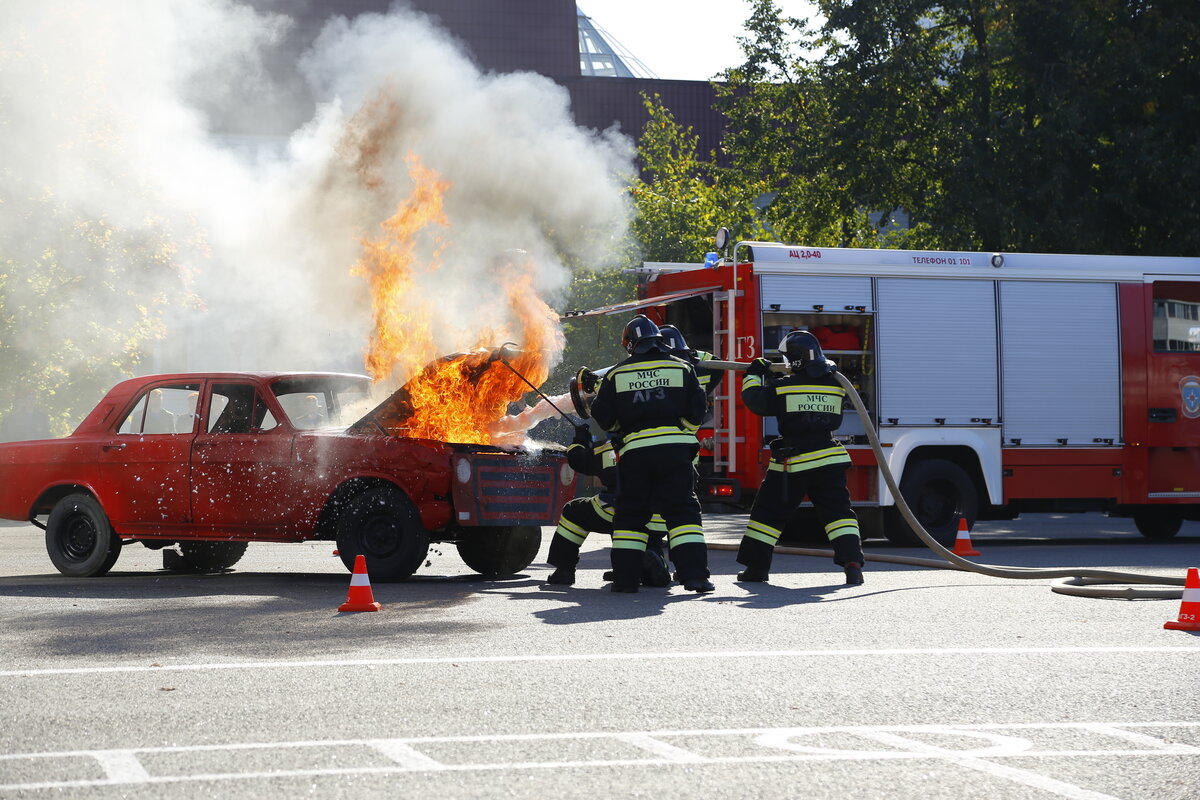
(242, 471)
(145, 463)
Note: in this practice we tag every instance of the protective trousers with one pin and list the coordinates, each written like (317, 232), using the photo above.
(781, 492)
(658, 479)
(585, 515)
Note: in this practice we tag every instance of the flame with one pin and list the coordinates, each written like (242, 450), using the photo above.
(459, 399)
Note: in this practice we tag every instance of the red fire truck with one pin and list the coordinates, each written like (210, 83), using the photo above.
(999, 382)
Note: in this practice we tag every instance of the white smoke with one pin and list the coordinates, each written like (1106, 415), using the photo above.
(121, 110)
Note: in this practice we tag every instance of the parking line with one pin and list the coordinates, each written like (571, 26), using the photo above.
(381, 662)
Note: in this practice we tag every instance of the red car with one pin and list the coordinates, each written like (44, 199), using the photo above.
(213, 461)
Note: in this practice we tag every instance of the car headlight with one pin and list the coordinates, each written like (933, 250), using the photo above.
(566, 474)
(462, 470)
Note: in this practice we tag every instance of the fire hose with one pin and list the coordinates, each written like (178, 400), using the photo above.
(1073, 581)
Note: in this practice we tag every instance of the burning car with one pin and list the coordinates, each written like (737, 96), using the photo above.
(213, 461)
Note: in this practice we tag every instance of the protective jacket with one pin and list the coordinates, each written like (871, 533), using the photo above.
(808, 408)
(650, 399)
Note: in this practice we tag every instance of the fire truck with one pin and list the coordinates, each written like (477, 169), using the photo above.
(999, 382)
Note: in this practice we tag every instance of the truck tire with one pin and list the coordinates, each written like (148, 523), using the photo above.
(211, 556)
(79, 539)
(499, 551)
(939, 492)
(1157, 522)
(383, 525)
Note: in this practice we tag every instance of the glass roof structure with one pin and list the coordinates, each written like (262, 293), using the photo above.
(600, 55)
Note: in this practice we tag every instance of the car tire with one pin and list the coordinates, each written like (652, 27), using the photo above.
(382, 525)
(939, 492)
(500, 551)
(211, 556)
(79, 539)
(1156, 522)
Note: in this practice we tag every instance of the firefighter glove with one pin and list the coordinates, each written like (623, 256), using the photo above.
(759, 366)
(583, 435)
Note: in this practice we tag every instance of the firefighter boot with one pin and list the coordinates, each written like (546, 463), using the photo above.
(562, 576)
(854, 575)
(627, 569)
(654, 570)
(699, 585)
(752, 575)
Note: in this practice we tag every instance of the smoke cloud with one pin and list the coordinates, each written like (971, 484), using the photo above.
(170, 127)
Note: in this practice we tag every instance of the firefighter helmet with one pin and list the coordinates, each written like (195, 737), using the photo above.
(641, 335)
(804, 352)
(673, 339)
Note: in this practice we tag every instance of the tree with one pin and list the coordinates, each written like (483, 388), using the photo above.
(1026, 125)
(79, 298)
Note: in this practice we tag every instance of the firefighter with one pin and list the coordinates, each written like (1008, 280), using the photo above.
(805, 460)
(583, 515)
(654, 403)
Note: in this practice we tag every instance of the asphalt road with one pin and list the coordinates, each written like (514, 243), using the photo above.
(921, 683)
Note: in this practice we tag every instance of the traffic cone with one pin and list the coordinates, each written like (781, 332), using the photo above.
(962, 543)
(360, 597)
(1189, 609)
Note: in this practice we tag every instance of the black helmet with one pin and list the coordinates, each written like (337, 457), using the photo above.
(804, 351)
(641, 335)
(673, 339)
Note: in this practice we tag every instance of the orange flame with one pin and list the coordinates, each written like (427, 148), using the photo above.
(460, 399)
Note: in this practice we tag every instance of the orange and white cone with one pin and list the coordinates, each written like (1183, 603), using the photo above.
(360, 597)
(962, 543)
(1189, 609)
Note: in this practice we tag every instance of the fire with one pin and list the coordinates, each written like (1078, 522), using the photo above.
(462, 398)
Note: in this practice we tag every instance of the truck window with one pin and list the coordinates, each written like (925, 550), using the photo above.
(161, 410)
(1176, 317)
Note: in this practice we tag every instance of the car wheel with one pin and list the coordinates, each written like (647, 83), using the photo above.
(79, 539)
(1156, 522)
(211, 556)
(382, 525)
(939, 492)
(498, 551)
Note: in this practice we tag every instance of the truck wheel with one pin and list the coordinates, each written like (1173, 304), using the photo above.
(1156, 522)
(211, 556)
(498, 551)
(79, 539)
(383, 525)
(938, 492)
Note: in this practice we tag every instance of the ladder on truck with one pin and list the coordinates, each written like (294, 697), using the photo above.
(724, 424)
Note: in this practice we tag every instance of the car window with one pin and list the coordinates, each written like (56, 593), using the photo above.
(319, 402)
(162, 410)
(238, 408)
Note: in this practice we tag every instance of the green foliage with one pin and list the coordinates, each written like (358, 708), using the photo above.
(79, 298)
(1035, 125)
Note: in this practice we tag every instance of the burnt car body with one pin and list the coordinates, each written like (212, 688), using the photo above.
(212, 461)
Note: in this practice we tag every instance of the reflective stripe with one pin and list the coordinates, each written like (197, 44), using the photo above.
(817, 458)
(629, 540)
(841, 527)
(640, 366)
(602, 509)
(686, 534)
(811, 389)
(570, 531)
(649, 437)
(657, 524)
(762, 532)
(751, 380)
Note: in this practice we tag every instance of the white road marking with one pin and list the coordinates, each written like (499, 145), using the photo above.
(123, 768)
(660, 748)
(1143, 739)
(363, 662)
(1021, 776)
(406, 755)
